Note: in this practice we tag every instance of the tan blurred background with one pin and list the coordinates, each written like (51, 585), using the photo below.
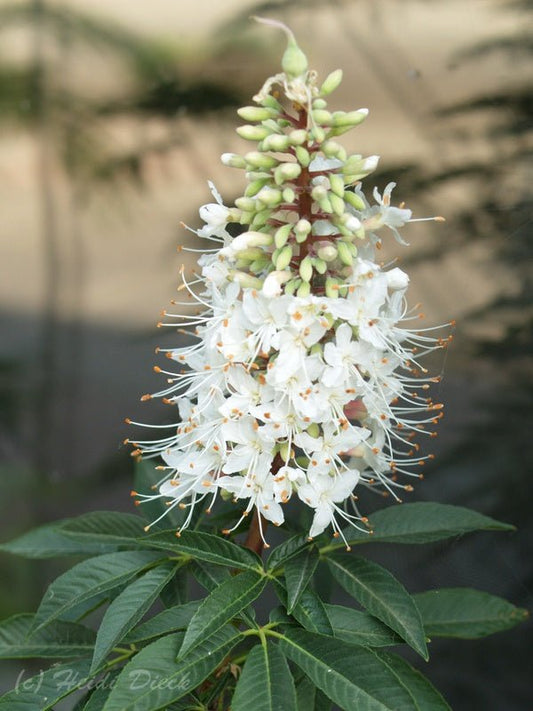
(113, 115)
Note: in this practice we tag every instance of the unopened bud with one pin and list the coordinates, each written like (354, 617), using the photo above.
(302, 156)
(332, 288)
(259, 160)
(327, 251)
(246, 280)
(269, 197)
(332, 149)
(273, 282)
(282, 235)
(298, 136)
(336, 182)
(331, 82)
(313, 430)
(355, 200)
(246, 204)
(322, 117)
(276, 142)
(256, 113)
(349, 118)
(301, 229)
(286, 171)
(306, 268)
(288, 195)
(337, 203)
(252, 133)
(345, 254)
(251, 239)
(320, 104)
(304, 289)
(320, 265)
(254, 187)
(233, 160)
(284, 258)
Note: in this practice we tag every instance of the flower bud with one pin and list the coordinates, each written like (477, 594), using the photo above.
(322, 117)
(298, 136)
(302, 155)
(246, 280)
(320, 265)
(331, 82)
(261, 218)
(254, 187)
(269, 197)
(345, 254)
(276, 142)
(349, 118)
(301, 229)
(357, 167)
(337, 203)
(252, 133)
(320, 104)
(353, 199)
(256, 113)
(336, 182)
(251, 239)
(288, 195)
(246, 204)
(332, 149)
(313, 430)
(306, 268)
(304, 289)
(286, 171)
(284, 258)
(327, 251)
(294, 61)
(282, 235)
(318, 134)
(259, 160)
(292, 285)
(233, 160)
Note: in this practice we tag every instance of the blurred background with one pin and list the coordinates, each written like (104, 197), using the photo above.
(113, 116)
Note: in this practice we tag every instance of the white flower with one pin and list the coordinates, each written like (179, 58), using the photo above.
(322, 494)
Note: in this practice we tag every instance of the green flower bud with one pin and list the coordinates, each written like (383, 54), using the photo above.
(255, 159)
(284, 258)
(336, 182)
(282, 235)
(233, 160)
(320, 265)
(246, 204)
(286, 171)
(276, 142)
(262, 217)
(302, 228)
(306, 268)
(327, 251)
(294, 62)
(250, 254)
(318, 134)
(292, 285)
(272, 103)
(320, 104)
(269, 197)
(304, 289)
(284, 451)
(322, 117)
(246, 217)
(245, 279)
(331, 149)
(337, 203)
(356, 201)
(256, 113)
(331, 82)
(345, 254)
(298, 136)
(288, 195)
(319, 192)
(349, 118)
(258, 265)
(254, 187)
(302, 155)
(357, 167)
(332, 288)
(252, 133)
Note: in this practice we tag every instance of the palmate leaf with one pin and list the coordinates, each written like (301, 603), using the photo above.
(154, 679)
(49, 541)
(382, 595)
(222, 605)
(422, 522)
(205, 546)
(107, 527)
(59, 639)
(265, 682)
(44, 690)
(354, 677)
(88, 579)
(466, 613)
(359, 627)
(299, 570)
(128, 608)
(171, 620)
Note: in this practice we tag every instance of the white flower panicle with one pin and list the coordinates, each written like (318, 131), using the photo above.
(303, 376)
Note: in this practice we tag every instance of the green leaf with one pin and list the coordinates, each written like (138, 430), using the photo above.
(226, 601)
(107, 527)
(45, 689)
(466, 613)
(175, 618)
(98, 697)
(205, 546)
(265, 682)
(305, 694)
(298, 572)
(291, 547)
(353, 677)
(209, 576)
(422, 522)
(48, 541)
(382, 595)
(89, 579)
(154, 679)
(359, 627)
(127, 609)
(310, 611)
(59, 639)
(424, 696)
